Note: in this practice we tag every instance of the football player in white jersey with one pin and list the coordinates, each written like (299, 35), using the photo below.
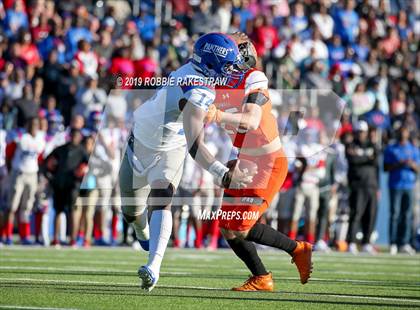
(165, 127)
(23, 154)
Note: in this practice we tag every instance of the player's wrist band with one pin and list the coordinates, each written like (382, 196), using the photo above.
(218, 170)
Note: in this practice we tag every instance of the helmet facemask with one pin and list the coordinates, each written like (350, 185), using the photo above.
(246, 50)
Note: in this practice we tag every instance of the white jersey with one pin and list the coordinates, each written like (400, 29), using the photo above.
(28, 148)
(158, 122)
(53, 141)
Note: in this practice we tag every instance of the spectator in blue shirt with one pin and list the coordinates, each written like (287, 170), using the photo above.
(74, 35)
(347, 23)
(361, 48)
(146, 26)
(299, 20)
(245, 14)
(336, 50)
(402, 161)
(52, 42)
(376, 118)
(15, 19)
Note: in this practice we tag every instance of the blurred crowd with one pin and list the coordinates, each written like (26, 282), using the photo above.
(64, 121)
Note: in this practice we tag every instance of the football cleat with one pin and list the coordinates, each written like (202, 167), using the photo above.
(302, 258)
(407, 249)
(144, 245)
(353, 249)
(322, 246)
(101, 242)
(257, 283)
(26, 241)
(148, 278)
(393, 250)
(341, 246)
(369, 249)
(86, 244)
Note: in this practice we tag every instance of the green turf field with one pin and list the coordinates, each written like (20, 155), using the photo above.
(99, 278)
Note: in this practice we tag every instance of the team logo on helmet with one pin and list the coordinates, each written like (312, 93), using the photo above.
(216, 49)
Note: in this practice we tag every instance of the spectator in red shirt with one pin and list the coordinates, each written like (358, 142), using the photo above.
(122, 64)
(391, 43)
(266, 37)
(28, 51)
(147, 66)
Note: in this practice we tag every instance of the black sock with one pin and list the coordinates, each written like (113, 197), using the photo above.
(266, 235)
(247, 252)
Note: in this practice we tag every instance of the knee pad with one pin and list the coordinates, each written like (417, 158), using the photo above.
(161, 197)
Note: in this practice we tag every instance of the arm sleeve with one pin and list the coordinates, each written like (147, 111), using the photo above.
(255, 80)
(200, 96)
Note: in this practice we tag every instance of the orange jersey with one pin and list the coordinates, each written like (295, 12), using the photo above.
(231, 100)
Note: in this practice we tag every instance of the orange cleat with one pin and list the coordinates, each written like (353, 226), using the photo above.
(342, 246)
(257, 283)
(302, 257)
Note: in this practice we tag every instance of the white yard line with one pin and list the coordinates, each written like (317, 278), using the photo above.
(137, 260)
(208, 288)
(385, 261)
(190, 271)
(33, 307)
(60, 261)
(72, 269)
(168, 273)
(221, 253)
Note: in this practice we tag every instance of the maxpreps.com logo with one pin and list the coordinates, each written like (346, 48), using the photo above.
(217, 49)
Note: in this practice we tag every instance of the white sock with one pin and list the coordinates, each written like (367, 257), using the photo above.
(160, 232)
(141, 227)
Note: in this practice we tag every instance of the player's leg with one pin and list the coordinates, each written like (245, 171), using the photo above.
(160, 226)
(196, 206)
(76, 216)
(322, 226)
(181, 196)
(246, 251)
(369, 220)
(89, 212)
(163, 178)
(298, 205)
(61, 198)
(17, 187)
(31, 186)
(357, 207)
(313, 195)
(249, 230)
(116, 209)
(134, 192)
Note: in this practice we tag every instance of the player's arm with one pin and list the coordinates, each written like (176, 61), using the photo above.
(256, 96)
(248, 119)
(194, 133)
(193, 121)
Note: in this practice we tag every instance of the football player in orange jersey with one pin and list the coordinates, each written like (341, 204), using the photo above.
(245, 114)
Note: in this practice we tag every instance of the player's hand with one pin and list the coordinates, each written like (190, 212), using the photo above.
(241, 173)
(213, 115)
